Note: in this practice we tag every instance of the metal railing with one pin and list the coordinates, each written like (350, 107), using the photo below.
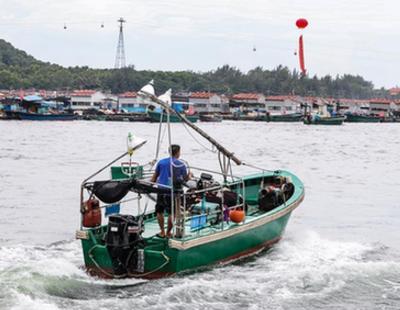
(181, 218)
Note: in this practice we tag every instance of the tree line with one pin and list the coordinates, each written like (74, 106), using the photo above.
(20, 70)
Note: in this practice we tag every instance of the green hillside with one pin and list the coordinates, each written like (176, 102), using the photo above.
(20, 70)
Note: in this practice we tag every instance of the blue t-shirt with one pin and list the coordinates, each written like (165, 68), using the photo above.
(163, 170)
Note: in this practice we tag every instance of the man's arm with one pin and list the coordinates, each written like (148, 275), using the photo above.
(155, 175)
(186, 176)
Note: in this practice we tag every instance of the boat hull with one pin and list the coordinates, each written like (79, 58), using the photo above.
(155, 117)
(324, 121)
(187, 257)
(350, 118)
(287, 118)
(390, 120)
(211, 118)
(11, 115)
(45, 117)
(219, 252)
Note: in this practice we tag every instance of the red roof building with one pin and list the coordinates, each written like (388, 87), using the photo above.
(128, 94)
(83, 93)
(246, 96)
(380, 106)
(379, 101)
(86, 99)
(206, 102)
(131, 102)
(248, 101)
(201, 95)
(282, 104)
(279, 98)
(395, 91)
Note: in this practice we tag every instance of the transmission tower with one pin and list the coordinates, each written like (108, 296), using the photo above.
(120, 57)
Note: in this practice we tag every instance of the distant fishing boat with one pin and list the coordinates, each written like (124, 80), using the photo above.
(289, 117)
(157, 116)
(362, 118)
(220, 218)
(45, 116)
(128, 117)
(390, 120)
(210, 118)
(34, 108)
(323, 120)
(323, 117)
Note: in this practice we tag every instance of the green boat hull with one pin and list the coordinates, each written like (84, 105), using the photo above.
(287, 118)
(163, 257)
(156, 116)
(325, 121)
(350, 118)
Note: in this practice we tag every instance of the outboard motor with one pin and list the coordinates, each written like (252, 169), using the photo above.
(123, 241)
(206, 180)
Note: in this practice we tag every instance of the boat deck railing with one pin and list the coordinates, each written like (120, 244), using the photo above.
(182, 217)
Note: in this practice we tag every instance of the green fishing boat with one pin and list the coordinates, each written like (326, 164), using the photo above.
(290, 117)
(323, 120)
(220, 218)
(173, 118)
(361, 118)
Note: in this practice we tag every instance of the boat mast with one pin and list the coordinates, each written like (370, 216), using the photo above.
(219, 147)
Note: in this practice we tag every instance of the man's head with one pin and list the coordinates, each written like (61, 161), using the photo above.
(175, 150)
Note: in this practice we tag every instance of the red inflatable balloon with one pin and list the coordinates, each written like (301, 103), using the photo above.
(301, 23)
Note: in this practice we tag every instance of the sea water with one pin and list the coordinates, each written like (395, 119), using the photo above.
(341, 248)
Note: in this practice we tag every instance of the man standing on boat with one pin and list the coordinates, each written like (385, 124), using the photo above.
(162, 176)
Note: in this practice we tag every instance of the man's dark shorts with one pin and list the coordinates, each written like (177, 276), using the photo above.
(163, 204)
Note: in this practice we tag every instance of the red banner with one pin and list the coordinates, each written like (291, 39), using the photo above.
(301, 56)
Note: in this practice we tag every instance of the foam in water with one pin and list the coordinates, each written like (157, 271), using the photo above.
(24, 302)
(302, 267)
(351, 178)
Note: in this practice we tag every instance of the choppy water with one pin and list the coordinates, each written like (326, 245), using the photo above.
(341, 249)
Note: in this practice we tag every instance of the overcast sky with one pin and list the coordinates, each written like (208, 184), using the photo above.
(343, 36)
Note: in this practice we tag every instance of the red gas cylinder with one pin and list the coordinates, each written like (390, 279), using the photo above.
(91, 213)
(236, 216)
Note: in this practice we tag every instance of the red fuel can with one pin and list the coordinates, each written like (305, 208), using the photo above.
(92, 213)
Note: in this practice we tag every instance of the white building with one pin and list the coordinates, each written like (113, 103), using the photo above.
(87, 99)
(204, 102)
(381, 106)
(352, 105)
(130, 102)
(282, 104)
(248, 102)
(224, 104)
